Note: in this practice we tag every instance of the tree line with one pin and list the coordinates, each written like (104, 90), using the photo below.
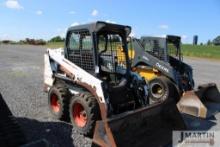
(32, 41)
(215, 41)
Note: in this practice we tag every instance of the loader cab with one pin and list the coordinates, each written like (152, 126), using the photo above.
(168, 49)
(99, 48)
(163, 48)
(173, 46)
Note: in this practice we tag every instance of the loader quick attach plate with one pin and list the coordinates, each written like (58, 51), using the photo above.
(151, 126)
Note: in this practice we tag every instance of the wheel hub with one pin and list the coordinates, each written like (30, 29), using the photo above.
(157, 90)
(55, 104)
(79, 115)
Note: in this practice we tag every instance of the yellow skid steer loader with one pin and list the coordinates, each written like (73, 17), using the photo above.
(159, 61)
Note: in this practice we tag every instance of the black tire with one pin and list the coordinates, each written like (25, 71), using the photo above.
(84, 112)
(4, 110)
(58, 101)
(161, 89)
(11, 134)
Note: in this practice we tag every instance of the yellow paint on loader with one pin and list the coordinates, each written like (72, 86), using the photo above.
(146, 72)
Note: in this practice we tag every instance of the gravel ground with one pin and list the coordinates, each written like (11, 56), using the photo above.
(21, 84)
(205, 71)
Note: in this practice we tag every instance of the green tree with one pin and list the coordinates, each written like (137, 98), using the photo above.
(216, 41)
(56, 39)
(209, 42)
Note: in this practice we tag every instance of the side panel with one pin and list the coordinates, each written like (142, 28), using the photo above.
(48, 74)
(143, 57)
(78, 75)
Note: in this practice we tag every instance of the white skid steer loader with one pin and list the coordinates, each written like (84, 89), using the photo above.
(90, 86)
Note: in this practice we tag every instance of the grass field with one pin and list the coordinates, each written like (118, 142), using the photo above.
(202, 51)
(55, 45)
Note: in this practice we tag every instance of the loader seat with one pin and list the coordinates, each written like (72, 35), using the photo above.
(119, 94)
(122, 84)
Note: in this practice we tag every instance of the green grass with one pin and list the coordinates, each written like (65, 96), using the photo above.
(203, 51)
(55, 45)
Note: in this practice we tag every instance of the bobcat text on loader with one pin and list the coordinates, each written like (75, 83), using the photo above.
(88, 84)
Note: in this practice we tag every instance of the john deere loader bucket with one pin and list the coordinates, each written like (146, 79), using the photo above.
(195, 102)
(150, 126)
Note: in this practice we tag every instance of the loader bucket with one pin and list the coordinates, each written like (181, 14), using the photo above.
(194, 102)
(150, 126)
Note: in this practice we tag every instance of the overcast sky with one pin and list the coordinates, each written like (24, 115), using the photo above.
(46, 18)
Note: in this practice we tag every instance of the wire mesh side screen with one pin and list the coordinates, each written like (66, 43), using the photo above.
(156, 48)
(81, 50)
(173, 50)
(111, 53)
